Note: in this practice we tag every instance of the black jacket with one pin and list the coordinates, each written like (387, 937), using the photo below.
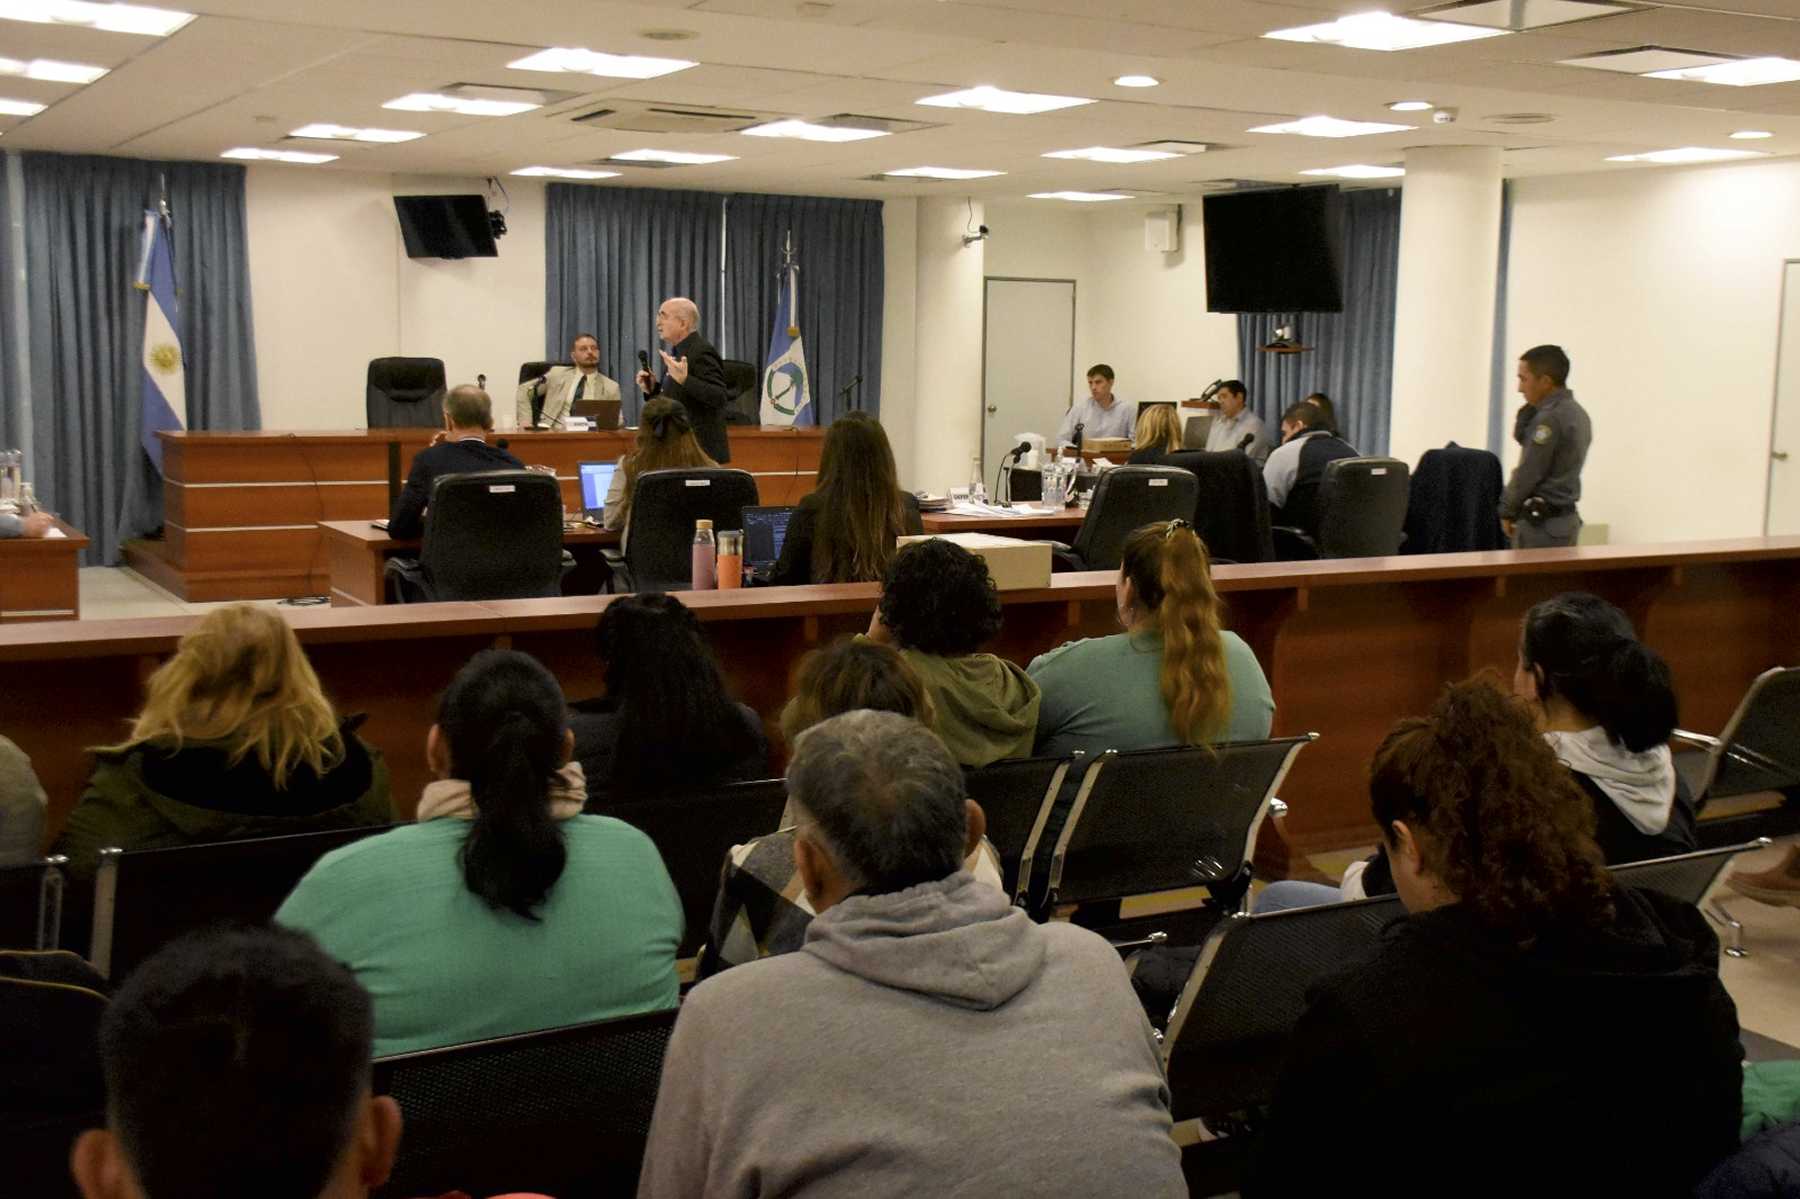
(736, 756)
(451, 458)
(1454, 502)
(794, 569)
(705, 394)
(1232, 514)
(1593, 1062)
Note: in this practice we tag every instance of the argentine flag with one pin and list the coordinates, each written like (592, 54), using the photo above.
(786, 392)
(165, 382)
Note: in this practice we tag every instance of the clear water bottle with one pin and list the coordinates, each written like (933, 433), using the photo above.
(11, 464)
(977, 485)
(706, 563)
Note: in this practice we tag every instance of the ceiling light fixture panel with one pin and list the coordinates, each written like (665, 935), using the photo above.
(941, 173)
(680, 158)
(20, 108)
(112, 18)
(809, 132)
(460, 105)
(1751, 135)
(995, 99)
(1643, 60)
(349, 133)
(1384, 31)
(1137, 81)
(1082, 197)
(1411, 106)
(292, 156)
(1358, 170)
(1740, 72)
(1688, 154)
(1324, 126)
(48, 70)
(575, 60)
(1113, 154)
(1521, 15)
(565, 173)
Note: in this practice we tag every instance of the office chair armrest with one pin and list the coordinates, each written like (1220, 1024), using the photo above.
(1059, 547)
(1292, 545)
(1699, 739)
(611, 556)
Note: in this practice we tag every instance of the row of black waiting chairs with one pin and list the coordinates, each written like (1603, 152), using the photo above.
(408, 393)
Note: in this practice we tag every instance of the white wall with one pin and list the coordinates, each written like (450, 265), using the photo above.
(899, 335)
(1664, 286)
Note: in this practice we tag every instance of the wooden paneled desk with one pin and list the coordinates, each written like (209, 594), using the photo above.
(357, 552)
(242, 511)
(1054, 526)
(38, 579)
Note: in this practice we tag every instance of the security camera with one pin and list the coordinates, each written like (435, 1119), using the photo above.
(1444, 116)
(970, 239)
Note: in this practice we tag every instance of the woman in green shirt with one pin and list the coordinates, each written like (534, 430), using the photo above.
(1173, 677)
(504, 909)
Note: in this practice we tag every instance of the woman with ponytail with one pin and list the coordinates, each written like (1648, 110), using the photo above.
(1175, 676)
(1605, 703)
(1529, 1027)
(665, 441)
(504, 909)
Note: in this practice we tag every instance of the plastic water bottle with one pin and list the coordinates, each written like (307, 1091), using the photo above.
(977, 485)
(705, 557)
(10, 463)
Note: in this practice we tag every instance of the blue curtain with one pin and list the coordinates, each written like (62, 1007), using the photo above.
(1352, 355)
(838, 245)
(612, 255)
(83, 234)
(15, 400)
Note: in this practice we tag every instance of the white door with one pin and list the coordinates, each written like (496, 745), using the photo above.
(1783, 515)
(1028, 374)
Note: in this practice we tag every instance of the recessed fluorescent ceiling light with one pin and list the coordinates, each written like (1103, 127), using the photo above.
(346, 133)
(566, 173)
(51, 71)
(1384, 31)
(1642, 60)
(1411, 106)
(1688, 154)
(1136, 81)
(1518, 15)
(994, 99)
(1320, 126)
(1112, 154)
(1081, 197)
(1742, 72)
(279, 156)
(20, 108)
(677, 157)
(1359, 171)
(114, 18)
(432, 102)
(941, 173)
(809, 132)
(1751, 135)
(593, 62)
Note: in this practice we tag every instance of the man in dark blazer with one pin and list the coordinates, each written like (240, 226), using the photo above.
(459, 448)
(693, 374)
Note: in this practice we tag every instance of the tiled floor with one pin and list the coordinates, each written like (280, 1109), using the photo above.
(120, 593)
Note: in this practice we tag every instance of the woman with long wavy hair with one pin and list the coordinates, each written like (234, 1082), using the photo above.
(844, 532)
(665, 441)
(1158, 434)
(1530, 1027)
(1175, 676)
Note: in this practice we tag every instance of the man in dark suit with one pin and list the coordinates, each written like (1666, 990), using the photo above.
(693, 374)
(459, 448)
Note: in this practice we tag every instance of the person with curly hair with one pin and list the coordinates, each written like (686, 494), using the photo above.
(938, 607)
(1530, 1027)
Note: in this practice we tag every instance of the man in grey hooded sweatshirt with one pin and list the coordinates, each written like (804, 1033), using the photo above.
(928, 1039)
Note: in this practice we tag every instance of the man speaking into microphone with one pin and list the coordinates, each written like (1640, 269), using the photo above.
(693, 374)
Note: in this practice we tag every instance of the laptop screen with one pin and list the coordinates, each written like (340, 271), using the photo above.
(764, 531)
(596, 480)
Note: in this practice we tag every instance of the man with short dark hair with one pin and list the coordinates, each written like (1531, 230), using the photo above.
(459, 448)
(928, 1038)
(237, 1063)
(1234, 423)
(559, 389)
(1101, 415)
(1538, 507)
(1295, 470)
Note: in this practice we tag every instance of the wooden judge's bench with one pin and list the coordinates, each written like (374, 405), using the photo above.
(241, 511)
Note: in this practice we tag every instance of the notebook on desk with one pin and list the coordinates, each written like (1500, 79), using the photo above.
(596, 481)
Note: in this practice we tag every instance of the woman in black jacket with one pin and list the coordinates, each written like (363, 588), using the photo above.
(845, 531)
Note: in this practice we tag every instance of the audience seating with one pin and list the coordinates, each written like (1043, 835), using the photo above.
(1018, 795)
(1362, 512)
(144, 898)
(664, 506)
(564, 1112)
(31, 900)
(405, 393)
(1231, 509)
(36, 1151)
(694, 832)
(491, 535)
(1126, 498)
(1689, 877)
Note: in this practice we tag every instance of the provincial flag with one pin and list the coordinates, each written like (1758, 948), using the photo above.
(786, 390)
(165, 380)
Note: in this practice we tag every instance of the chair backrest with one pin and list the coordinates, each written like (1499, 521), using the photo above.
(537, 370)
(694, 833)
(1017, 795)
(31, 895)
(1759, 747)
(1231, 506)
(405, 393)
(144, 898)
(1362, 507)
(1125, 499)
(664, 506)
(1687, 876)
(493, 534)
(562, 1112)
(741, 379)
(1161, 819)
(1228, 1037)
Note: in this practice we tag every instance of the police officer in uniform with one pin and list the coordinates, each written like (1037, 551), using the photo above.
(1553, 432)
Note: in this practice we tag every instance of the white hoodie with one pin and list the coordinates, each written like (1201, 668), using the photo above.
(1642, 786)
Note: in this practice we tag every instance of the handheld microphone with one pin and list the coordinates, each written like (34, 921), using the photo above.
(1245, 443)
(644, 359)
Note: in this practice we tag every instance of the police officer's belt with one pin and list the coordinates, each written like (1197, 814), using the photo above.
(1537, 510)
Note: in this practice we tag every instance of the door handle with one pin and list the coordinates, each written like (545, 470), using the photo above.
(1778, 455)
(993, 408)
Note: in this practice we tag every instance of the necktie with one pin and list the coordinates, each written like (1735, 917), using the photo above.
(580, 386)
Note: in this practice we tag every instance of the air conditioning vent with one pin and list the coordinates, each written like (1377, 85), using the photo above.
(665, 118)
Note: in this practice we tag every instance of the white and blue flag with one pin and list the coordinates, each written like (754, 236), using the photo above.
(786, 390)
(165, 382)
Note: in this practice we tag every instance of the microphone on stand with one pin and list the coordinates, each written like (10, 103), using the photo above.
(1212, 389)
(1245, 443)
(1076, 435)
(848, 388)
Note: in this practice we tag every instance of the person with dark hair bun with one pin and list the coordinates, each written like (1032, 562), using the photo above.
(504, 909)
(1606, 705)
(938, 607)
(1530, 1027)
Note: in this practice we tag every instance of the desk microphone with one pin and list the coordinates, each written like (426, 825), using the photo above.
(1020, 450)
(850, 387)
(1245, 444)
(1076, 435)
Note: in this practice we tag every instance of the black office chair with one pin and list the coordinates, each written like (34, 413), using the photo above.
(493, 534)
(1125, 499)
(1018, 796)
(565, 1111)
(405, 393)
(741, 379)
(1362, 510)
(665, 504)
(537, 370)
(31, 902)
(1231, 510)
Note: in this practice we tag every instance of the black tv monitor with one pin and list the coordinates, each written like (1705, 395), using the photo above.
(1275, 251)
(445, 227)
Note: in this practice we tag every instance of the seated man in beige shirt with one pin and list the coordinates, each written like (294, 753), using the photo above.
(563, 385)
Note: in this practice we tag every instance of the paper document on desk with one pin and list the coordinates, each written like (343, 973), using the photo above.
(994, 510)
(54, 533)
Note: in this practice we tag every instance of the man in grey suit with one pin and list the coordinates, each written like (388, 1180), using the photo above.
(563, 385)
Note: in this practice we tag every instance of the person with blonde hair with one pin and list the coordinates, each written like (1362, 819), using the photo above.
(1158, 434)
(845, 531)
(665, 441)
(1175, 676)
(235, 739)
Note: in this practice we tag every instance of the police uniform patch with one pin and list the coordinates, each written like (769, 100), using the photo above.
(1540, 435)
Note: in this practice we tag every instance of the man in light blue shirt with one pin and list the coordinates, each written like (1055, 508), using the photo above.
(1102, 414)
(1234, 422)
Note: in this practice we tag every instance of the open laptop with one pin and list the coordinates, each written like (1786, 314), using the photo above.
(596, 480)
(765, 529)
